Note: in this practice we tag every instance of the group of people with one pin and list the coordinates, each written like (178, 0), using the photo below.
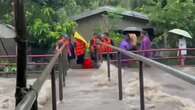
(101, 49)
(77, 49)
(130, 43)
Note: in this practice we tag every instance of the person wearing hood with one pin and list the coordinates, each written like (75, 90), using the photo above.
(133, 40)
(145, 44)
(105, 49)
(65, 40)
(94, 47)
(126, 43)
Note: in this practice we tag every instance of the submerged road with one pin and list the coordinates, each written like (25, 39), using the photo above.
(85, 91)
(90, 90)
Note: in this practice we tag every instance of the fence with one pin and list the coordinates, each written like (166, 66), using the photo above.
(179, 74)
(30, 99)
(181, 59)
(155, 57)
(37, 62)
(29, 102)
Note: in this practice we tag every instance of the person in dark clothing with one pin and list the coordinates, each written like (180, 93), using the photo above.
(80, 48)
(94, 47)
(72, 55)
(65, 40)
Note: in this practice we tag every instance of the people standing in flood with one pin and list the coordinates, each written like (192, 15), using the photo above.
(65, 40)
(182, 53)
(126, 43)
(80, 48)
(133, 41)
(94, 47)
(105, 49)
(145, 44)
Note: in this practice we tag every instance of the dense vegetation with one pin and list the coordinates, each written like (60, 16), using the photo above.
(48, 19)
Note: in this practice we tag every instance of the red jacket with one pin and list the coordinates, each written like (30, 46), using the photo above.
(94, 45)
(106, 48)
(80, 47)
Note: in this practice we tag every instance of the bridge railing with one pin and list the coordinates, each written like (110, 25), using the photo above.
(179, 74)
(159, 57)
(41, 60)
(29, 102)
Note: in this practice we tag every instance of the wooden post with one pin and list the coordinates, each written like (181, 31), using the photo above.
(21, 49)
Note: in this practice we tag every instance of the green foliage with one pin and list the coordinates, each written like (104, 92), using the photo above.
(47, 25)
(48, 19)
(47, 34)
(9, 69)
(45, 22)
(169, 14)
(114, 19)
(5, 11)
(117, 38)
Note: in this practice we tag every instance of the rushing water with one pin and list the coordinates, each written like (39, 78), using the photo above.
(7, 92)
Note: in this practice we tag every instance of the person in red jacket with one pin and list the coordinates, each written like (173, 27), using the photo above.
(94, 47)
(80, 49)
(107, 40)
(65, 40)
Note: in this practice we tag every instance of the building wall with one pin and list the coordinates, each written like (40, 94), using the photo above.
(131, 22)
(87, 26)
(10, 46)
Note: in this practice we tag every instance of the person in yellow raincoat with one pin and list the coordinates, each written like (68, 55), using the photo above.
(80, 48)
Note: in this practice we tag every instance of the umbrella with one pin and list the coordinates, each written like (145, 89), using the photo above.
(180, 32)
(132, 29)
(7, 31)
(135, 30)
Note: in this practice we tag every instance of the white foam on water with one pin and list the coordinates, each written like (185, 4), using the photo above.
(155, 98)
(44, 94)
(101, 80)
(7, 102)
(7, 93)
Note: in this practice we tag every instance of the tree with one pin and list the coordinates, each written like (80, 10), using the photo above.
(48, 25)
(45, 20)
(172, 15)
(54, 15)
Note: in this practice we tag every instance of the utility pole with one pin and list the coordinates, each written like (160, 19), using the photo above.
(21, 50)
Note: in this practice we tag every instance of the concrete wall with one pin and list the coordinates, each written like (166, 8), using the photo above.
(131, 22)
(88, 25)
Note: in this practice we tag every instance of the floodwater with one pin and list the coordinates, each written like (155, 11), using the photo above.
(162, 91)
(91, 90)
(7, 93)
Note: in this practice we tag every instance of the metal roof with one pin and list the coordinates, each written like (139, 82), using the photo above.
(110, 9)
(7, 31)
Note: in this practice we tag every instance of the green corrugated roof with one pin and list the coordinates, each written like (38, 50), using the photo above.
(110, 9)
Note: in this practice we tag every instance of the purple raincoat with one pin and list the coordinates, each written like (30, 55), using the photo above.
(145, 45)
(125, 45)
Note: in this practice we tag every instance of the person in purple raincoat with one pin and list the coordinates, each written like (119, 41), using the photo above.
(145, 44)
(125, 44)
